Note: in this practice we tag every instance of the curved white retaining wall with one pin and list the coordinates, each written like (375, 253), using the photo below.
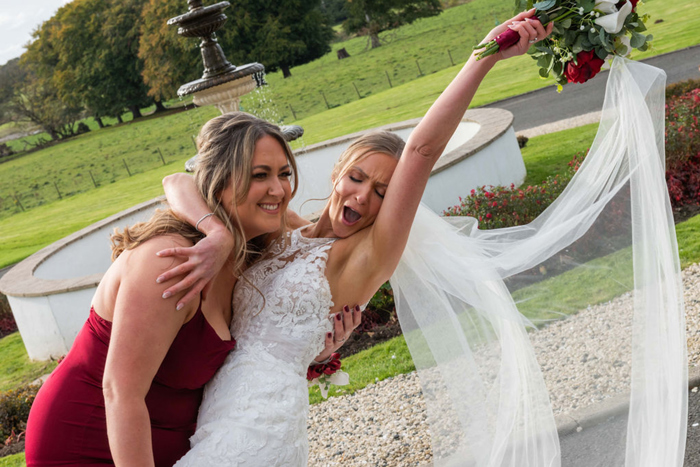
(50, 292)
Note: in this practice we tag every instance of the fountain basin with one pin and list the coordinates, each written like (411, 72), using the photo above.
(50, 292)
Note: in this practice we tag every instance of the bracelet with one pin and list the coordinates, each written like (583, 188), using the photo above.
(196, 226)
(314, 362)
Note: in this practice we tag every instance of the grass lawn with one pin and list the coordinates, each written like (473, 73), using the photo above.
(15, 460)
(15, 367)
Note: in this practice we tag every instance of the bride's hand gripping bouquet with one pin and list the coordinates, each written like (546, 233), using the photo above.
(584, 34)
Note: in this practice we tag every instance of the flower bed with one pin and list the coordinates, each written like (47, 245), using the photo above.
(683, 146)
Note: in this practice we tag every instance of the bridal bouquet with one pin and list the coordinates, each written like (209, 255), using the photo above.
(327, 373)
(585, 33)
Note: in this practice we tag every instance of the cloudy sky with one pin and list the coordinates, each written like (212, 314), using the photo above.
(18, 18)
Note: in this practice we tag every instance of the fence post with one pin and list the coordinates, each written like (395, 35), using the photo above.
(59, 193)
(387, 78)
(450, 55)
(93, 178)
(325, 100)
(358, 92)
(161, 156)
(18, 201)
(127, 167)
(293, 112)
(419, 70)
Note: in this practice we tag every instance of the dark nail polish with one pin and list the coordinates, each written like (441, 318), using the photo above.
(357, 307)
(346, 309)
(329, 335)
(338, 317)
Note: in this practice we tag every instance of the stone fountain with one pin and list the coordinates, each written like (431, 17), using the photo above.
(222, 84)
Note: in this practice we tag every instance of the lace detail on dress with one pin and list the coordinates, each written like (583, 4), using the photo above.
(255, 409)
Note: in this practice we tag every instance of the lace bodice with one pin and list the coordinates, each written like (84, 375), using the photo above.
(283, 301)
(254, 410)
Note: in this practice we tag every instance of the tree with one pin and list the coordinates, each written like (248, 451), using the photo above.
(169, 59)
(278, 33)
(36, 100)
(11, 76)
(88, 51)
(370, 17)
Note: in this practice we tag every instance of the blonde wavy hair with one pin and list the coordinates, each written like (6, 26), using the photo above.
(226, 145)
(378, 141)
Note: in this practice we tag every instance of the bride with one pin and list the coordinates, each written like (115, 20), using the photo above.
(463, 294)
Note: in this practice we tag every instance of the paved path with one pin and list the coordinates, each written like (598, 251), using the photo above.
(545, 106)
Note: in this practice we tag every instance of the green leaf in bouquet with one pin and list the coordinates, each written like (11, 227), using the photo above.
(578, 45)
(601, 53)
(641, 27)
(564, 24)
(637, 40)
(545, 5)
(605, 39)
(594, 38)
(587, 5)
(558, 68)
(544, 73)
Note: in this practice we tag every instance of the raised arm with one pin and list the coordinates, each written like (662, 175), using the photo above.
(143, 329)
(427, 142)
(205, 259)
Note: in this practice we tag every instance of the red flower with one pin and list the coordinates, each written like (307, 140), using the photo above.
(633, 2)
(314, 371)
(589, 65)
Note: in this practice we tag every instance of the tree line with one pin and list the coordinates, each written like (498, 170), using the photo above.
(100, 58)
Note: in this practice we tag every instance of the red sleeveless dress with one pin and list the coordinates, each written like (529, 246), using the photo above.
(67, 421)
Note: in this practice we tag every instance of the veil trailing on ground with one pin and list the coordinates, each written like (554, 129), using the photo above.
(520, 334)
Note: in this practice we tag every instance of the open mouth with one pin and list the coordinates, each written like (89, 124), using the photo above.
(270, 208)
(350, 216)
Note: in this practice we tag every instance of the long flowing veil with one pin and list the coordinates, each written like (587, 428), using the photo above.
(574, 319)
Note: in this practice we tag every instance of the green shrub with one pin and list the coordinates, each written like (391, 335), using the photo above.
(680, 88)
(498, 206)
(14, 410)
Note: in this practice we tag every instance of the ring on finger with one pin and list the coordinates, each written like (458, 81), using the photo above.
(534, 40)
(340, 341)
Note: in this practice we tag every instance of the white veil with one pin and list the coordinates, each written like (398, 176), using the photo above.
(512, 329)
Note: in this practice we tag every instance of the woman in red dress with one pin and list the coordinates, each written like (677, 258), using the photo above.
(129, 390)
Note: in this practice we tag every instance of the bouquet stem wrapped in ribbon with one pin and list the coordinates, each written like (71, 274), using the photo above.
(585, 33)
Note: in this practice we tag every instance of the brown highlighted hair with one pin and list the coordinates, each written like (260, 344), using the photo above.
(383, 142)
(226, 145)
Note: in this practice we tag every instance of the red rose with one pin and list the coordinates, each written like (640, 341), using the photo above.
(633, 2)
(332, 366)
(313, 372)
(589, 65)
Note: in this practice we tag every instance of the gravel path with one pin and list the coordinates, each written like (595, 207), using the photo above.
(583, 360)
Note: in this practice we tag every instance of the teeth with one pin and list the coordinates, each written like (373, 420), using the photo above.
(269, 207)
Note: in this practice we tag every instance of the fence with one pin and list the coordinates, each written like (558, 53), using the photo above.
(378, 80)
(86, 177)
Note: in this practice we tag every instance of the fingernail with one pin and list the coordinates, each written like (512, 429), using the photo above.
(179, 306)
(158, 253)
(357, 307)
(167, 295)
(329, 335)
(338, 317)
(346, 309)
(159, 280)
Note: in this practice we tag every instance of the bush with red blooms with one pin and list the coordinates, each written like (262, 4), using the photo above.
(14, 411)
(497, 207)
(327, 368)
(683, 148)
(7, 320)
(585, 67)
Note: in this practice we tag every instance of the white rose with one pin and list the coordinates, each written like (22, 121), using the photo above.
(612, 23)
(605, 6)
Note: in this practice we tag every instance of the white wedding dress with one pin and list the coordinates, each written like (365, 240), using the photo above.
(255, 409)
